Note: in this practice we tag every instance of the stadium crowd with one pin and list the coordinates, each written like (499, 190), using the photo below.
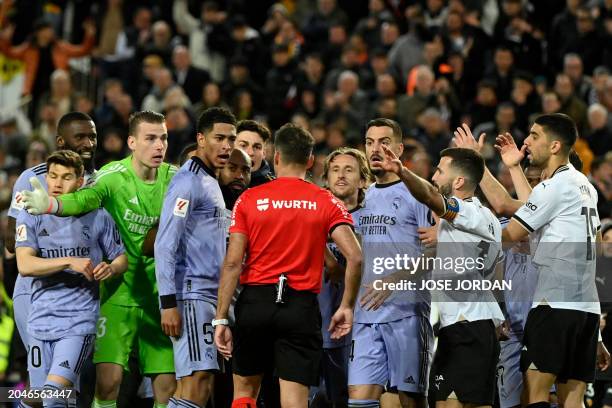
(327, 66)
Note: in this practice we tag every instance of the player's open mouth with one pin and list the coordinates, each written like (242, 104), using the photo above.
(159, 157)
(375, 159)
(235, 185)
(341, 184)
(223, 157)
(86, 155)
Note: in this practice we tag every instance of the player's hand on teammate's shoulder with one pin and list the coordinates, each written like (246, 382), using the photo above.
(341, 322)
(224, 340)
(83, 266)
(171, 322)
(390, 161)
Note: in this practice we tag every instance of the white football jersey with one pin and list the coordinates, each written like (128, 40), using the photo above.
(469, 231)
(562, 213)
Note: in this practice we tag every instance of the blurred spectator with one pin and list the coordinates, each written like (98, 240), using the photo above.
(60, 93)
(161, 43)
(316, 26)
(563, 31)
(432, 132)
(599, 137)
(48, 117)
(12, 142)
(572, 67)
(37, 153)
(112, 147)
(43, 54)
(601, 177)
(247, 44)
(348, 106)
(409, 107)
(525, 98)
(483, 109)
(175, 97)
(502, 73)
(598, 88)
(208, 36)
(418, 161)
(181, 132)
(505, 122)
(571, 105)
(211, 96)
(239, 80)
(281, 91)
(190, 78)
(162, 83)
(369, 27)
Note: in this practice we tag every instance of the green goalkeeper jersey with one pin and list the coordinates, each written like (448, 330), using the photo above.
(135, 206)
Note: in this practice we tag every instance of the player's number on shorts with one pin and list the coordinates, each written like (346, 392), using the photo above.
(35, 358)
(589, 214)
(101, 327)
(209, 333)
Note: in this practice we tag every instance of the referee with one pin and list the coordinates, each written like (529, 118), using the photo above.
(282, 227)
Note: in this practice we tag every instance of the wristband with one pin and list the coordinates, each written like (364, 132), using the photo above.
(220, 322)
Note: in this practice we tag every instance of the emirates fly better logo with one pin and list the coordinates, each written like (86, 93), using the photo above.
(263, 204)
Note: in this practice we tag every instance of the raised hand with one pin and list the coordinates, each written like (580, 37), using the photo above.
(390, 161)
(510, 154)
(464, 138)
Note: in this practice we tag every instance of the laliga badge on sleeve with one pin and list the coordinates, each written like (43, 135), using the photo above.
(181, 206)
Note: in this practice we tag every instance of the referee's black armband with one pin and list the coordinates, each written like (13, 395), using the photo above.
(168, 301)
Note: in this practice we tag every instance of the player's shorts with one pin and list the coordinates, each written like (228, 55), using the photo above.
(465, 363)
(562, 342)
(286, 337)
(194, 349)
(334, 374)
(21, 309)
(64, 357)
(395, 354)
(509, 376)
(121, 328)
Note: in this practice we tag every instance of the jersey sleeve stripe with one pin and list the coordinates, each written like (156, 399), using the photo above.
(523, 223)
(333, 227)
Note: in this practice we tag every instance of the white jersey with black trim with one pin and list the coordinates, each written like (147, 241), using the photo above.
(562, 213)
(470, 235)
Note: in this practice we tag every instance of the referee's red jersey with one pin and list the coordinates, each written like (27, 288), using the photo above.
(287, 222)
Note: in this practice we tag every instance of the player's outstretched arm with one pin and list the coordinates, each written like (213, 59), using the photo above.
(501, 201)
(420, 188)
(37, 201)
(342, 320)
(232, 266)
(31, 265)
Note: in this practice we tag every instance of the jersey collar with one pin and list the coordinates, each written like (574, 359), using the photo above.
(561, 168)
(385, 185)
(201, 164)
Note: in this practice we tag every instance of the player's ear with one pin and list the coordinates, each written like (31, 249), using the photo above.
(459, 183)
(555, 147)
(276, 158)
(201, 139)
(59, 141)
(310, 161)
(131, 141)
(400, 149)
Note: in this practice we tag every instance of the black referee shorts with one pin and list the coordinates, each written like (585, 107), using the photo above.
(561, 342)
(286, 337)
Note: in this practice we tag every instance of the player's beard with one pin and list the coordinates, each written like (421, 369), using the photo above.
(377, 171)
(446, 190)
(230, 196)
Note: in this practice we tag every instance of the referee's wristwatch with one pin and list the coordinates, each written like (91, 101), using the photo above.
(220, 322)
